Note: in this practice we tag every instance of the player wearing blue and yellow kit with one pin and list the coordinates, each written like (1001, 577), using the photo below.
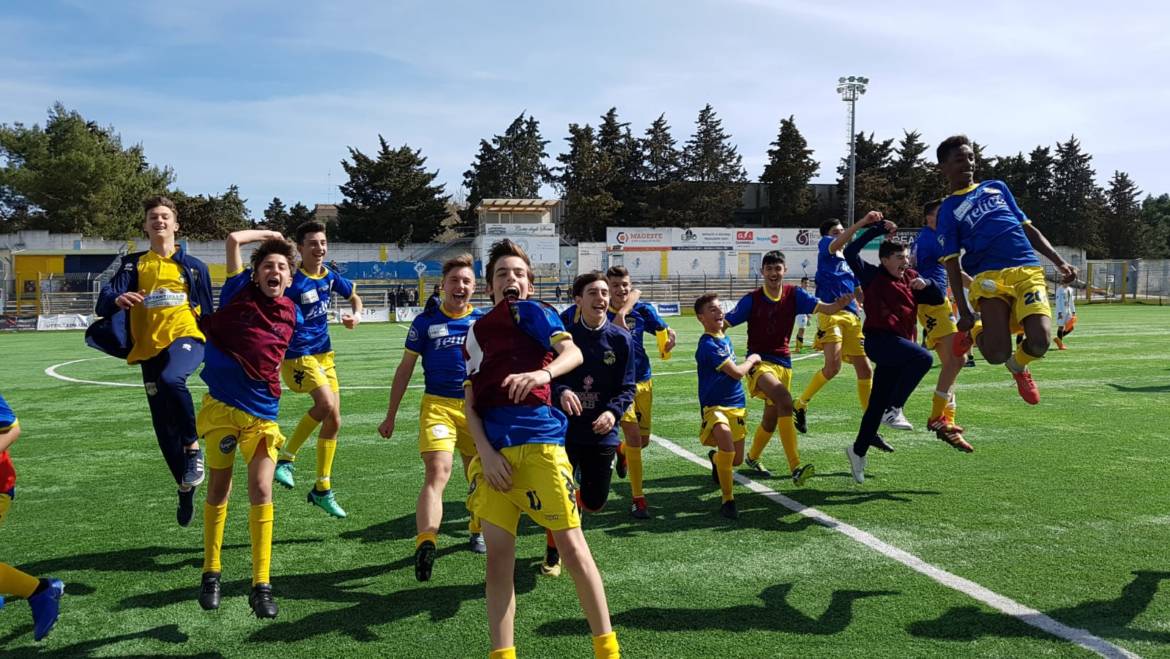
(247, 339)
(308, 364)
(521, 466)
(998, 244)
(838, 334)
(165, 292)
(721, 398)
(437, 335)
(639, 319)
(43, 595)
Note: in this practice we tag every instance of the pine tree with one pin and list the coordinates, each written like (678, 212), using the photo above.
(1156, 221)
(511, 166)
(621, 167)
(390, 198)
(714, 171)
(1123, 228)
(1074, 220)
(874, 189)
(788, 172)
(276, 215)
(583, 175)
(664, 191)
(914, 181)
(211, 217)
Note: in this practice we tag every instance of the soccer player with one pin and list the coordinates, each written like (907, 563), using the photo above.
(165, 292)
(596, 394)
(938, 327)
(639, 318)
(308, 364)
(802, 320)
(521, 466)
(892, 294)
(247, 340)
(999, 244)
(43, 595)
(721, 398)
(770, 312)
(1066, 313)
(838, 334)
(437, 335)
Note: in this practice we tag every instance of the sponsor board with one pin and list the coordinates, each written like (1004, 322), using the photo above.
(64, 321)
(667, 308)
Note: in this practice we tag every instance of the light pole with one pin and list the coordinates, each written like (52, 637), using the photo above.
(850, 88)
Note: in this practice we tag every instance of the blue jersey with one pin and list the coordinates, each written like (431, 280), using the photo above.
(928, 252)
(715, 386)
(641, 319)
(985, 224)
(439, 338)
(834, 278)
(7, 416)
(604, 382)
(311, 294)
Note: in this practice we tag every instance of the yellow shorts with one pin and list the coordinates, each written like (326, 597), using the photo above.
(1022, 287)
(732, 417)
(784, 375)
(304, 374)
(842, 327)
(5, 504)
(442, 426)
(223, 428)
(542, 487)
(642, 411)
(938, 320)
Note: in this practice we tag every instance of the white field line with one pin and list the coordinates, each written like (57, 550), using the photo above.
(967, 587)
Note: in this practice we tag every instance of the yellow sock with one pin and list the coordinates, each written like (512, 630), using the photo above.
(15, 582)
(305, 428)
(503, 653)
(938, 404)
(1022, 358)
(473, 525)
(788, 438)
(723, 461)
(863, 389)
(326, 448)
(425, 536)
(260, 528)
(949, 411)
(605, 646)
(759, 442)
(214, 518)
(811, 390)
(634, 469)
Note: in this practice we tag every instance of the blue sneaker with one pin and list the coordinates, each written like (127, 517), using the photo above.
(193, 468)
(45, 606)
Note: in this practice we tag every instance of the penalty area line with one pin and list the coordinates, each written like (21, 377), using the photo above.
(1001, 603)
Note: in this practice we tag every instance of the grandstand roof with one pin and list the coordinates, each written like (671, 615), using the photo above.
(517, 204)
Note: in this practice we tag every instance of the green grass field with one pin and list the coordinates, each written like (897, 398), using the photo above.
(1063, 508)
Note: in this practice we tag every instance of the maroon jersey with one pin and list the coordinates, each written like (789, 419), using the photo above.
(254, 330)
(770, 321)
(514, 337)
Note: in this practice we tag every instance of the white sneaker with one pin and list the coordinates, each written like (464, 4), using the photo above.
(894, 418)
(856, 464)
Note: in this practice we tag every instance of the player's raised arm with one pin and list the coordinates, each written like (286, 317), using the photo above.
(235, 262)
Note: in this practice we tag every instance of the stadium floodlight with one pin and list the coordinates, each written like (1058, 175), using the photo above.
(850, 89)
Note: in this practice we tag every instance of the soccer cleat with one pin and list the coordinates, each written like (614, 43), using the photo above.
(970, 361)
(620, 467)
(800, 419)
(327, 502)
(949, 433)
(728, 510)
(284, 474)
(638, 508)
(262, 602)
(424, 560)
(193, 468)
(961, 343)
(714, 469)
(1059, 344)
(757, 466)
(802, 473)
(186, 508)
(878, 442)
(856, 464)
(46, 605)
(209, 591)
(896, 419)
(551, 567)
(1027, 387)
(476, 544)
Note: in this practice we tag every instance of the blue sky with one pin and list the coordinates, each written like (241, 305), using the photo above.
(268, 95)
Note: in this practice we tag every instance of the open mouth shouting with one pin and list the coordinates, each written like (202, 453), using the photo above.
(512, 293)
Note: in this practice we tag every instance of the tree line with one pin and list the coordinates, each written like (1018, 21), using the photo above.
(73, 175)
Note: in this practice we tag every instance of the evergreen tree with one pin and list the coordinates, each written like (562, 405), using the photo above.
(1156, 222)
(1074, 220)
(1037, 196)
(914, 181)
(211, 217)
(511, 166)
(390, 197)
(583, 175)
(874, 189)
(714, 171)
(276, 215)
(621, 166)
(664, 191)
(1123, 229)
(788, 172)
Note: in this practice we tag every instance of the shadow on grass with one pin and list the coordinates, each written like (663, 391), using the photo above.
(166, 634)
(455, 517)
(139, 559)
(775, 615)
(1108, 618)
(1152, 389)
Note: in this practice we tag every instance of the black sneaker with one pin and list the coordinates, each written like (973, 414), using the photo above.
(728, 510)
(714, 469)
(193, 470)
(800, 419)
(186, 507)
(262, 602)
(424, 560)
(970, 361)
(620, 466)
(209, 591)
(881, 444)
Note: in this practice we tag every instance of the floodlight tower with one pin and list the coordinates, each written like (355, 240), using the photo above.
(850, 89)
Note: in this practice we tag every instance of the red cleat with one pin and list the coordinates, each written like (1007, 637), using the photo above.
(1027, 387)
(961, 344)
(949, 433)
